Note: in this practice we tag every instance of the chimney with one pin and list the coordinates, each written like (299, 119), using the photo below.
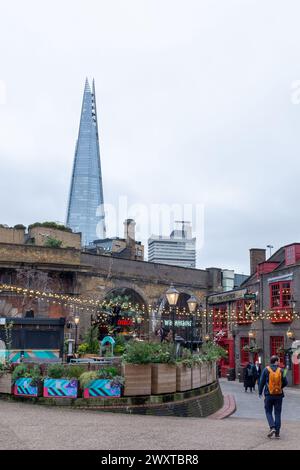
(129, 230)
(257, 255)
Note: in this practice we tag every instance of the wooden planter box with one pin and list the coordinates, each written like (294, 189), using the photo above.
(183, 378)
(60, 388)
(137, 379)
(196, 376)
(214, 367)
(23, 388)
(102, 388)
(203, 374)
(210, 378)
(163, 379)
(6, 383)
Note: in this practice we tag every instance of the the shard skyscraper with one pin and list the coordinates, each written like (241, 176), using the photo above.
(85, 208)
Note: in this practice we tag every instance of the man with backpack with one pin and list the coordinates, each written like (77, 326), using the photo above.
(272, 382)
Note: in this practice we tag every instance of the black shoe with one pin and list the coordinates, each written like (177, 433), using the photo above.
(277, 435)
(271, 433)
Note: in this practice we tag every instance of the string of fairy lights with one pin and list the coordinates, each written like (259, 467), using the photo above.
(219, 316)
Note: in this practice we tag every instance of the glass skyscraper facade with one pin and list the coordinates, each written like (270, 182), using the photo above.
(85, 207)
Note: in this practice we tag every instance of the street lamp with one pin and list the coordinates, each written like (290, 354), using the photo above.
(192, 304)
(139, 321)
(290, 334)
(252, 334)
(76, 321)
(172, 296)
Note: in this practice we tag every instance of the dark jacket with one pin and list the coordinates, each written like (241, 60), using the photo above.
(249, 376)
(264, 381)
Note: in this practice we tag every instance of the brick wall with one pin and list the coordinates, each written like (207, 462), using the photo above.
(68, 239)
(12, 235)
(33, 254)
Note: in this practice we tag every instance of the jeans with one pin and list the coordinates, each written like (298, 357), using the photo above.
(276, 403)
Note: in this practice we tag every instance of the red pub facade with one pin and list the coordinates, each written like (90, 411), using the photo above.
(262, 318)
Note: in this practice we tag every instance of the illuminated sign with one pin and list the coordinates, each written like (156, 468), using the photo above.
(178, 323)
(124, 323)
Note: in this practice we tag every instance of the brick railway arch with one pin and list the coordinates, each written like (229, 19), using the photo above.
(135, 295)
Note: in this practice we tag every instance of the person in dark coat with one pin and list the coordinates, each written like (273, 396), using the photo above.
(249, 377)
(257, 373)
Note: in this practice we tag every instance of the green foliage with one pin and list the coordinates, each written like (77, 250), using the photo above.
(19, 227)
(138, 352)
(59, 371)
(91, 342)
(73, 371)
(109, 373)
(120, 345)
(5, 367)
(187, 358)
(52, 242)
(51, 225)
(24, 371)
(55, 371)
(83, 348)
(86, 378)
(212, 352)
(163, 353)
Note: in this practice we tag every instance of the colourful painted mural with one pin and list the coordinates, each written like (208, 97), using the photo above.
(102, 388)
(23, 388)
(30, 355)
(60, 388)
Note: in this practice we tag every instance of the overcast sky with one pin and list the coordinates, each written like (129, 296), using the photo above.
(194, 104)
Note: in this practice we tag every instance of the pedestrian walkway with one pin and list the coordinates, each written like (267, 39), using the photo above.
(248, 405)
(29, 426)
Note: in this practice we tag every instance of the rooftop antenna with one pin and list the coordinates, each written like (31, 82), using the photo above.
(270, 248)
(183, 223)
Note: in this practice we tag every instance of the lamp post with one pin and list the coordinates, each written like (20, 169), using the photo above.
(76, 321)
(172, 297)
(192, 304)
(139, 321)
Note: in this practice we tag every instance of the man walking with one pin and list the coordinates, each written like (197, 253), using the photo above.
(272, 383)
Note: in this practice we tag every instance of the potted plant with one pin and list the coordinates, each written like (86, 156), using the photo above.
(211, 353)
(163, 369)
(90, 346)
(5, 378)
(27, 381)
(104, 383)
(62, 381)
(136, 368)
(184, 371)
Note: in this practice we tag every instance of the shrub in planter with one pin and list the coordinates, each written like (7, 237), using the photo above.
(163, 369)
(62, 381)
(136, 368)
(27, 381)
(103, 383)
(5, 378)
